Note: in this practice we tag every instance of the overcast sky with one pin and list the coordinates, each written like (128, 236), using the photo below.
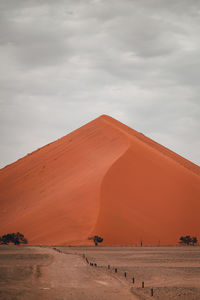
(64, 63)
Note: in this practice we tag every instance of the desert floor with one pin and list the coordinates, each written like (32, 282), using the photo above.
(28, 272)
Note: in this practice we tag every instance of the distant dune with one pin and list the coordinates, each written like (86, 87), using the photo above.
(106, 179)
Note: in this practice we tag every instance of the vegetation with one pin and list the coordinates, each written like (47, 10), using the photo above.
(188, 240)
(97, 239)
(14, 238)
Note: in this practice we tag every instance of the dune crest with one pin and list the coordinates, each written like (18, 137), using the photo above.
(104, 178)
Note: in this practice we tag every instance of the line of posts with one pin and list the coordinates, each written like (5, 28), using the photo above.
(115, 270)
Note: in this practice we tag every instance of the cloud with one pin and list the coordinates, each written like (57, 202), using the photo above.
(65, 62)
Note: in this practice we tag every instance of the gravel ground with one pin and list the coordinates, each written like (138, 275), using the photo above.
(67, 273)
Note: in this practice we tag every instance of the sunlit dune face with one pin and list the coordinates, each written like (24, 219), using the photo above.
(105, 179)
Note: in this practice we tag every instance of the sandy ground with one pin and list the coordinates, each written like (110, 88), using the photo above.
(172, 272)
(63, 273)
(43, 273)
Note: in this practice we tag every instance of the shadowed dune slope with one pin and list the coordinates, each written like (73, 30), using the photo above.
(104, 178)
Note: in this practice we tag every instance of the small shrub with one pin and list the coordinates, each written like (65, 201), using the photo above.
(14, 238)
(188, 240)
(97, 239)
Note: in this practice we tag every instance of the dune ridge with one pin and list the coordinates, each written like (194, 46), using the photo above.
(163, 206)
(162, 149)
(103, 178)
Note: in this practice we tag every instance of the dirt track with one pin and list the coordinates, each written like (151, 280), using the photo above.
(43, 273)
(63, 273)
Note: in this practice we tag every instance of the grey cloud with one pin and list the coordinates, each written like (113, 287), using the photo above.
(64, 63)
(36, 43)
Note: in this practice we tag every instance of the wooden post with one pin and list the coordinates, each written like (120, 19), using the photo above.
(115, 270)
(133, 280)
(142, 284)
(108, 266)
(151, 292)
(125, 274)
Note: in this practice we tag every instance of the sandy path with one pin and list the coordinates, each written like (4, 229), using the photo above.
(70, 277)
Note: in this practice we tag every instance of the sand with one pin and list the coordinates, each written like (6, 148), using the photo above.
(63, 273)
(106, 179)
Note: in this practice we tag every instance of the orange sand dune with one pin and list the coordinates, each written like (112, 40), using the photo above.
(104, 178)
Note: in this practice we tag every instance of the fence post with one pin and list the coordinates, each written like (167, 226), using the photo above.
(142, 284)
(115, 270)
(151, 292)
(108, 266)
(133, 280)
(125, 274)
